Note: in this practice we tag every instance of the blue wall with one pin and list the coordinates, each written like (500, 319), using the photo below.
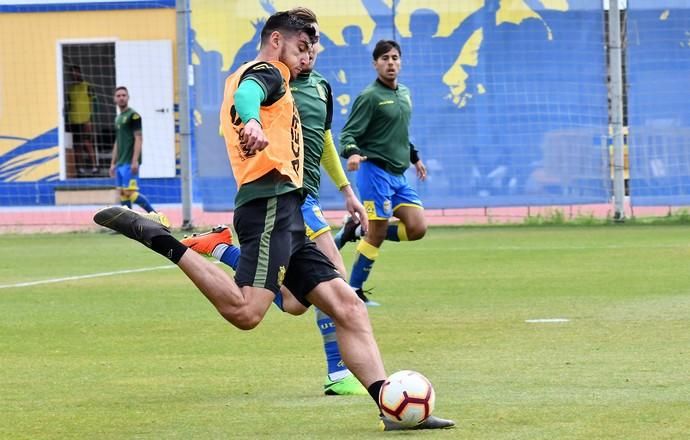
(659, 103)
(527, 128)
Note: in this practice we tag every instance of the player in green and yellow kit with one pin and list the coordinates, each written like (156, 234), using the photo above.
(314, 99)
(126, 158)
(375, 141)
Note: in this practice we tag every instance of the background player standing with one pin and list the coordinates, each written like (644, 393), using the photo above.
(126, 158)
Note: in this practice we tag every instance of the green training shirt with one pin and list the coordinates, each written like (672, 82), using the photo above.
(378, 127)
(314, 101)
(126, 124)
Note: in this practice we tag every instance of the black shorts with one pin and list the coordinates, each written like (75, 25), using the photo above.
(275, 249)
(81, 133)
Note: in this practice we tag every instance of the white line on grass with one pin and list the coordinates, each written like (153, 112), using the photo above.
(546, 320)
(84, 277)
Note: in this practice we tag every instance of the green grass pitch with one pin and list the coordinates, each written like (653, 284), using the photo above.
(143, 355)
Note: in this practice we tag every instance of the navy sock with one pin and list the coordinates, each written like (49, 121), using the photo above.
(169, 247)
(144, 203)
(231, 256)
(334, 360)
(392, 232)
(374, 390)
(360, 271)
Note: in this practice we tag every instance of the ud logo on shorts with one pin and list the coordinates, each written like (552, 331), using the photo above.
(369, 206)
(387, 208)
(281, 275)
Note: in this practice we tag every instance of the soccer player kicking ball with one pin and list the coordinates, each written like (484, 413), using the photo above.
(314, 100)
(264, 138)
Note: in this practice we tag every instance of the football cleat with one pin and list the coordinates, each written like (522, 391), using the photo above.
(347, 386)
(206, 242)
(362, 294)
(139, 227)
(430, 422)
(348, 232)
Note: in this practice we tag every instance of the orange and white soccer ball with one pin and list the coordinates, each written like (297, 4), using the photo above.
(407, 398)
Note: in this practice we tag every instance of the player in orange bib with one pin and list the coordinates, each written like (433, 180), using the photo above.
(264, 139)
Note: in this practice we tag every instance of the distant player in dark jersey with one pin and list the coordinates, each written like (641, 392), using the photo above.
(80, 97)
(126, 158)
(375, 141)
(263, 136)
(314, 101)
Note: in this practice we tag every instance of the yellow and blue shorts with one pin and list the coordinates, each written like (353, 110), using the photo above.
(314, 221)
(125, 179)
(382, 193)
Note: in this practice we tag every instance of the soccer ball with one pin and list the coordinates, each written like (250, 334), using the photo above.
(407, 398)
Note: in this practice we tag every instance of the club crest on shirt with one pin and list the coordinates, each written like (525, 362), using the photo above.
(321, 91)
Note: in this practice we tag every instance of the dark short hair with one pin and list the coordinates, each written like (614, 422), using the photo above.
(383, 46)
(287, 24)
(305, 14)
(121, 88)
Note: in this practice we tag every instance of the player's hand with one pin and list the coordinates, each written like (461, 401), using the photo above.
(354, 161)
(111, 171)
(135, 167)
(355, 208)
(253, 136)
(421, 170)
(359, 214)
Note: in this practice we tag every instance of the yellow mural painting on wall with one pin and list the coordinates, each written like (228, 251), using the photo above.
(228, 27)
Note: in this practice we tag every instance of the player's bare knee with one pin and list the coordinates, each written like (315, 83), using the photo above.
(351, 310)
(243, 319)
(294, 308)
(416, 232)
(376, 238)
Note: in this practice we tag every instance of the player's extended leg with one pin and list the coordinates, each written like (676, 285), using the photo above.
(217, 243)
(367, 253)
(242, 307)
(412, 225)
(358, 346)
(353, 329)
(339, 380)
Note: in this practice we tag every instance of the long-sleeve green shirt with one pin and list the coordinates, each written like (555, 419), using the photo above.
(378, 127)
